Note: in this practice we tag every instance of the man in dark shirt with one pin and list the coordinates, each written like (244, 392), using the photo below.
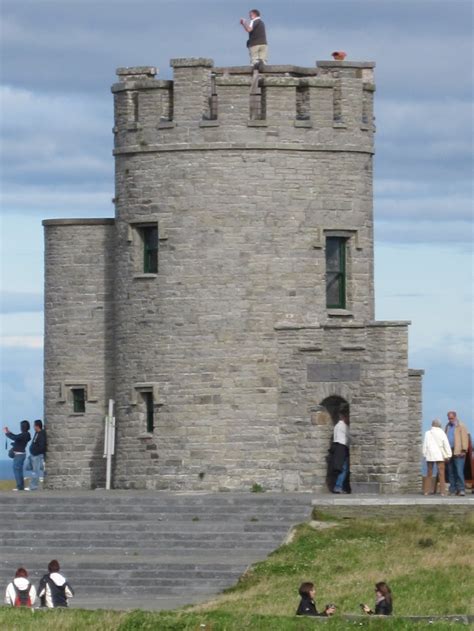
(37, 454)
(257, 41)
(18, 450)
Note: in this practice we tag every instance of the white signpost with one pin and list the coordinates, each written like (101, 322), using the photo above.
(109, 442)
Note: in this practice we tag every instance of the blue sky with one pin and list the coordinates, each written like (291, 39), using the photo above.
(58, 60)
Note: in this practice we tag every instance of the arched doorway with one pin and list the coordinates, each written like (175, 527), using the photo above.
(334, 407)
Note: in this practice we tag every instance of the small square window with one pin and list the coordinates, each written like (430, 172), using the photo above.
(78, 400)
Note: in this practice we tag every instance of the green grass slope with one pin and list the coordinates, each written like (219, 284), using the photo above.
(426, 561)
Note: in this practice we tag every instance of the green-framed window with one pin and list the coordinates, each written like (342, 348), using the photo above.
(150, 249)
(149, 411)
(78, 400)
(336, 272)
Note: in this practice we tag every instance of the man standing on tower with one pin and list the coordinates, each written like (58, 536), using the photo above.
(257, 41)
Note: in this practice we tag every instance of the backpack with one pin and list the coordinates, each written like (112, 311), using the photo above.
(22, 596)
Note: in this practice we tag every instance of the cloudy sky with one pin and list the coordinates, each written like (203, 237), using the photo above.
(58, 60)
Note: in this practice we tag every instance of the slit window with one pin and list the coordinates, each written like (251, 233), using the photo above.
(149, 236)
(336, 272)
(78, 400)
(149, 411)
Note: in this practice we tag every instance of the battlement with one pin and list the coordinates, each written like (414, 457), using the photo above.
(329, 104)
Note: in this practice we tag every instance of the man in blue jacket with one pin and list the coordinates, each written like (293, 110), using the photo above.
(18, 452)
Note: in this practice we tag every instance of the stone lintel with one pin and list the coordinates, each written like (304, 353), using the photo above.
(78, 222)
(345, 64)
(191, 62)
(136, 72)
(415, 372)
(142, 84)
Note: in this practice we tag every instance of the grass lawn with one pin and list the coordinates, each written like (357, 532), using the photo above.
(426, 561)
(7, 485)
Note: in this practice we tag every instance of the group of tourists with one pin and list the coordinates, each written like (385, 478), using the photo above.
(53, 589)
(307, 607)
(33, 463)
(444, 449)
(447, 451)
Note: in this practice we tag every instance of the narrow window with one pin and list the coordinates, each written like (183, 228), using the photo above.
(150, 249)
(336, 272)
(78, 400)
(149, 411)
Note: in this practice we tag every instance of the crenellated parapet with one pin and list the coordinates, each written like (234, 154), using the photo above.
(327, 106)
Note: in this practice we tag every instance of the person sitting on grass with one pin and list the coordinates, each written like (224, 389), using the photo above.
(307, 606)
(383, 601)
(54, 590)
(20, 592)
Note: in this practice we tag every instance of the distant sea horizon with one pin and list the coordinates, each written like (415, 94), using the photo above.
(6, 469)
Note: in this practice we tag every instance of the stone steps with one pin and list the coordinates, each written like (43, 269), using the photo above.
(126, 549)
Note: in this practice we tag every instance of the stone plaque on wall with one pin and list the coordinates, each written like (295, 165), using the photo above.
(337, 371)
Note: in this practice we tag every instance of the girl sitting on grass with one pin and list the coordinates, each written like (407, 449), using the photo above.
(307, 606)
(383, 601)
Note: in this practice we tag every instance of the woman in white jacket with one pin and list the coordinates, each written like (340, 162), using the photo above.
(436, 449)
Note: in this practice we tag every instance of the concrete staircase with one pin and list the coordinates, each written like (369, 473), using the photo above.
(150, 550)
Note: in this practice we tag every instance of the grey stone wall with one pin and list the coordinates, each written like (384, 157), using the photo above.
(78, 346)
(232, 335)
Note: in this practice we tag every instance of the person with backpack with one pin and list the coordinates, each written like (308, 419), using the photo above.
(20, 592)
(54, 590)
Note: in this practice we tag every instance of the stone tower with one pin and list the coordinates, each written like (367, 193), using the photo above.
(228, 309)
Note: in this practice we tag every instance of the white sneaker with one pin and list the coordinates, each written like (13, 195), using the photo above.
(15, 489)
(27, 488)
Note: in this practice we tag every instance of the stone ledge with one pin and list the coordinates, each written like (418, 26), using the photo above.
(238, 146)
(78, 222)
(134, 71)
(277, 69)
(345, 64)
(141, 84)
(389, 323)
(191, 62)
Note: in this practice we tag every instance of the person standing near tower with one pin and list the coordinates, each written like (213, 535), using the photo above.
(458, 441)
(340, 453)
(37, 453)
(18, 450)
(257, 41)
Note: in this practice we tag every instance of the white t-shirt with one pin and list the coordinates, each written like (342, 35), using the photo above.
(341, 433)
